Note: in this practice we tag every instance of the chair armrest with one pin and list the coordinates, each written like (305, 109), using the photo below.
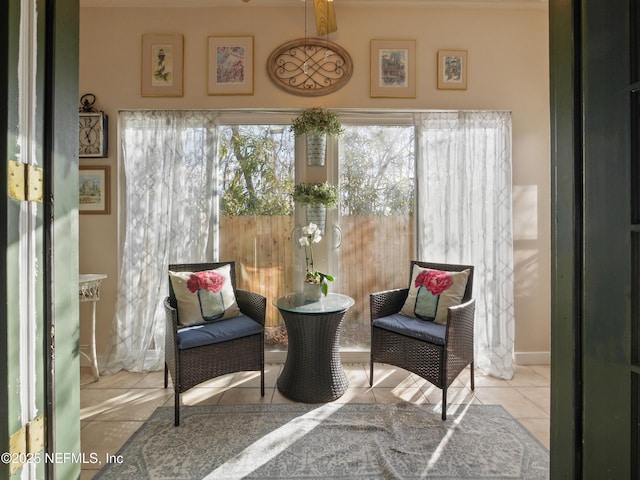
(252, 304)
(460, 319)
(171, 318)
(171, 336)
(387, 302)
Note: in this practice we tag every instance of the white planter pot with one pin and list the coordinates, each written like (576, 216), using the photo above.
(312, 291)
(316, 149)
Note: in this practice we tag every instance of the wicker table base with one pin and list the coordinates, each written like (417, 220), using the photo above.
(313, 370)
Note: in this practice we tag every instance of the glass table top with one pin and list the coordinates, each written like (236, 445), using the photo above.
(295, 302)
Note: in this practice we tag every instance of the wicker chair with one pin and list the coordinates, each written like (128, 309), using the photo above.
(439, 363)
(191, 366)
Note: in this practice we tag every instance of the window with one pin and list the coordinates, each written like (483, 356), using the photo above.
(377, 190)
(255, 178)
(222, 180)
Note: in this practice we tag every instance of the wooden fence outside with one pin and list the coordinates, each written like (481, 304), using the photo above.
(374, 256)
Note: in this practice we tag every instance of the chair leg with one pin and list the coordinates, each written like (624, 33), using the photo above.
(371, 373)
(166, 375)
(176, 413)
(444, 403)
(262, 381)
(472, 371)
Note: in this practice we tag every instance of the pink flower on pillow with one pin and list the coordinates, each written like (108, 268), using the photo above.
(436, 281)
(210, 281)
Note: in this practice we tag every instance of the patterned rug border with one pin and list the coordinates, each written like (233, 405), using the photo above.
(163, 416)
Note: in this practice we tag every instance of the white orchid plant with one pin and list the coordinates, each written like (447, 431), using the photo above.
(310, 235)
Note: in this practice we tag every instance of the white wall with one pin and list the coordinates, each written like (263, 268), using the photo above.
(508, 70)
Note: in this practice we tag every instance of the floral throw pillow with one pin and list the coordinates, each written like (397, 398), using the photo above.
(433, 291)
(205, 296)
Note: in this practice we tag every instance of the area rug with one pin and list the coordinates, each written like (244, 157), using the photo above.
(331, 441)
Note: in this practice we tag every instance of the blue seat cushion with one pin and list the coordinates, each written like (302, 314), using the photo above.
(216, 332)
(413, 327)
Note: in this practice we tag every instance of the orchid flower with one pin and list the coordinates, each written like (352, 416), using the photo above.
(311, 234)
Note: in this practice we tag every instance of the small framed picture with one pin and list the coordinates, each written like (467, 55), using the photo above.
(393, 68)
(93, 190)
(230, 68)
(452, 69)
(162, 65)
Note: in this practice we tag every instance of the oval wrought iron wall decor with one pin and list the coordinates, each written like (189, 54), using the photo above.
(310, 67)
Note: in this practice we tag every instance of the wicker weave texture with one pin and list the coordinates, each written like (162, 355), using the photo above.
(313, 371)
(437, 364)
(421, 358)
(203, 363)
(193, 366)
(459, 342)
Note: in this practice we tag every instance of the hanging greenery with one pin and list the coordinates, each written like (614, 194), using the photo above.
(317, 120)
(316, 193)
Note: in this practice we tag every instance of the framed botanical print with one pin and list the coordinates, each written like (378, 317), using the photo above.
(230, 68)
(393, 68)
(452, 69)
(162, 65)
(93, 190)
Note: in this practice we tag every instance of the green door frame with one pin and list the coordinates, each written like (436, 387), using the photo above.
(565, 246)
(591, 398)
(61, 141)
(57, 385)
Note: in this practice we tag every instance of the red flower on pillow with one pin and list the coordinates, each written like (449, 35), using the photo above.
(210, 281)
(436, 281)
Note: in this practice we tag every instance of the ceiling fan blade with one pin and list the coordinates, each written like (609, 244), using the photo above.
(325, 17)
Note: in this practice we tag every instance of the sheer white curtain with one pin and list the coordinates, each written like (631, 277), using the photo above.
(464, 216)
(168, 158)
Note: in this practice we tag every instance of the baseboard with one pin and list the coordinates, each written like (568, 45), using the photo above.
(270, 357)
(346, 357)
(84, 361)
(532, 358)
(521, 358)
(274, 357)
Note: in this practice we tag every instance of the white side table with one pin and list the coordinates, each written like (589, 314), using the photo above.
(90, 292)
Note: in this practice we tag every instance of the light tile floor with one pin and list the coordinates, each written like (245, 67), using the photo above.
(113, 408)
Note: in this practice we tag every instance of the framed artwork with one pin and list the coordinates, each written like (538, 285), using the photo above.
(162, 65)
(230, 68)
(393, 68)
(452, 69)
(93, 190)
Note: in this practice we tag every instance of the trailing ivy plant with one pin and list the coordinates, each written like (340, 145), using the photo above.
(316, 193)
(317, 120)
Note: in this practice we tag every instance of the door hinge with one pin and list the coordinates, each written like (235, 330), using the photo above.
(26, 182)
(25, 443)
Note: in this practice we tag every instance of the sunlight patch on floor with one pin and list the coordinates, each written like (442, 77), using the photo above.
(271, 445)
(127, 399)
(443, 443)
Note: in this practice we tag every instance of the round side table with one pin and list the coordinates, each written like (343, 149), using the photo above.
(313, 371)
